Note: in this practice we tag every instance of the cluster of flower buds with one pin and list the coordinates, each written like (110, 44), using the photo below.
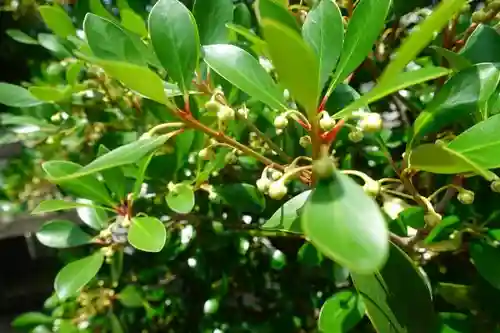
(370, 122)
(272, 183)
(326, 123)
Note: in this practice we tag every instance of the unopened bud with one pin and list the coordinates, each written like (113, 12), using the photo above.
(326, 123)
(372, 122)
(305, 141)
(355, 136)
(225, 113)
(263, 184)
(212, 106)
(372, 188)
(205, 154)
(495, 186)
(466, 197)
(277, 190)
(280, 122)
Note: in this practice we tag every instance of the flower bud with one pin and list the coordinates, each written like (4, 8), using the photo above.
(305, 141)
(212, 106)
(326, 123)
(275, 175)
(372, 122)
(479, 16)
(280, 122)
(495, 186)
(277, 190)
(494, 5)
(205, 154)
(243, 112)
(466, 197)
(372, 188)
(432, 218)
(324, 167)
(231, 158)
(225, 113)
(355, 136)
(263, 184)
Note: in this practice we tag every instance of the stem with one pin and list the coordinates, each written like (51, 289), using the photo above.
(359, 174)
(397, 193)
(446, 187)
(164, 126)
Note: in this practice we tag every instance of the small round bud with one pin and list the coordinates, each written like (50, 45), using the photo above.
(212, 196)
(263, 184)
(211, 306)
(466, 197)
(432, 218)
(212, 106)
(277, 190)
(243, 112)
(326, 123)
(275, 175)
(478, 17)
(279, 131)
(372, 188)
(225, 113)
(305, 141)
(495, 186)
(494, 5)
(355, 136)
(324, 167)
(205, 154)
(280, 122)
(372, 122)
(231, 158)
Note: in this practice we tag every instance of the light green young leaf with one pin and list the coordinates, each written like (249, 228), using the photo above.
(274, 11)
(73, 72)
(130, 297)
(182, 199)
(114, 178)
(241, 69)
(98, 8)
(287, 218)
(57, 20)
(323, 31)
(386, 298)
(93, 216)
(133, 22)
(147, 234)
(346, 225)
(295, 63)
(16, 96)
(55, 205)
(74, 276)
(362, 31)
(401, 81)
(141, 174)
(54, 45)
(21, 37)
(62, 234)
(49, 94)
(31, 319)
(211, 18)
(341, 312)
(174, 36)
(421, 36)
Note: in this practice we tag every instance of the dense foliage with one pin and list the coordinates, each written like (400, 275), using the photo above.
(317, 166)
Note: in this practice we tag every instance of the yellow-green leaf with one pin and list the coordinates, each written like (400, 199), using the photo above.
(147, 234)
(57, 20)
(74, 276)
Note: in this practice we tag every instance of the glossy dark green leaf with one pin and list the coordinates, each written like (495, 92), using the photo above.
(57, 20)
(147, 234)
(485, 258)
(75, 275)
(175, 40)
(454, 323)
(341, 312)
(482, 46)
(130, 297)
(94, 217)
(62, 234)
(109, 41)
(323, 31)
(132, 21)
(462, 96)
(56, 205)
(455, 60)
(443, 230)
(399, 82)
(242, 197)
(386, 298)
(413, 217)
(309, 256)
(244, 71)
(30, 319)
(242, 15)
(87, 186)
(277, 12)
(182, 199)
(21, 37)
(211, 18)
(287, 218)
(295, 63)
(127, 154)
(16, 96)
(338, 209)
(359, 40)
(114, 178)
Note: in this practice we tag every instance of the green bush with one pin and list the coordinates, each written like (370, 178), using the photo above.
(311, 167)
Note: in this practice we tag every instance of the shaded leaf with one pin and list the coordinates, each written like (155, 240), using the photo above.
(485, 258)
(57, 20)
(130, 297)
(242, 197)
(54, 45)
(21, 37)
(341, 312)
(455, 60)
(75, 275)
(114, 178)
(16, 96)
(211, 18)
(56, 205)
(483, 45)
(287, 218)
(62, 234)
(147, 234)
(181, 200)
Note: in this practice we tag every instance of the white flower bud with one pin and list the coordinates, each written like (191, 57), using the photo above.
(277, 190)
(205, 154)
(225, 113)
(275, 175)
(212, 106)
(372, 122)
(495, 186)
(326, 123)
(243, 112)
(355, 136)
(263, 184)
(305, 141)
(280, 122)
(372, 188)
(466, 197)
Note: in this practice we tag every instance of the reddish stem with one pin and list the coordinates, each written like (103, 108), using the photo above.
(329, 137)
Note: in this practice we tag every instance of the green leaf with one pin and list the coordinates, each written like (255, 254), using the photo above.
(358, 40)
(413, 217)
(401, 81)
(29, 319)
(346, 224)
(114, 178)
(116, 326)
(420, 37)
(211, 18)
(98, 8)
(309, 256)
(443, 160)
(56, 205)
(485, 258)
(323, 31)
(87, 187)
(242, 197)
(259, 45)
(295, 63)
(181, 200)
(54, 45)
(287, 218)
(274, 11)
(62, 234)
(16, 96)
(73, 72)
(21, 37)
(57, 20)
(244, 71)
(108, 41)
(147, 234)
(341, 312)
(443, 230)
(483, 45)
(127, 154)
(454, 323)
(133, 22)
(41, 329)
(130, 297)
(50, 94)
(175, 40)
(455, 60)
(242, 15)
(74, 276)
(386, 298)
(464, 95)
(94, 217)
